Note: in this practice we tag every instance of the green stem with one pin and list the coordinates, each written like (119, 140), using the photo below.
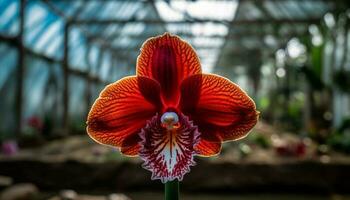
(172, 190)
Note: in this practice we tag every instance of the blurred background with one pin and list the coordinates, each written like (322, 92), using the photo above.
(291, 56)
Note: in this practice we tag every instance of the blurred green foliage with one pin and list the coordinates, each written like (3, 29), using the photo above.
(340, 140)
(342, 80)
(259, 139)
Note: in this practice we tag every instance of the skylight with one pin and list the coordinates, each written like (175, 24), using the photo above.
(213, 10)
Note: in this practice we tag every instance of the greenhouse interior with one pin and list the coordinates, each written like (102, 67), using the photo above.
(291, 57)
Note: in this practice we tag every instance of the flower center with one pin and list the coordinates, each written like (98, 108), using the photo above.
(170, 120)
(168, 146)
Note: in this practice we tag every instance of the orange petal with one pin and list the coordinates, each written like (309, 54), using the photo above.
(218, 105)
(130, 151)
(210, 143)
(169, 60)
(121, 110)
(130, 145)
(206, 148)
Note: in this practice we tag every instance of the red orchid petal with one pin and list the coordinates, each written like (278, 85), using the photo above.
(220, 108)
(131, 151)
(168, 59)
(206, 148)
(210, 143)
(168, 154)
(130, 145)
(121, 110)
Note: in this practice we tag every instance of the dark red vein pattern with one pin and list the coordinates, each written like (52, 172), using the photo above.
(168, 60)
(168, 154)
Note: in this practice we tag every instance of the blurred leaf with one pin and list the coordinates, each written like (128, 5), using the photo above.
(340, 142)
(260, 140)
(316, 59)
(6, 136)
(342, 80)
(313, 78)
(264, 103)
(313, 73)
(344, 125)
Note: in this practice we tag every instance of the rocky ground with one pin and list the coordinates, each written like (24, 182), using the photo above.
(26, 191)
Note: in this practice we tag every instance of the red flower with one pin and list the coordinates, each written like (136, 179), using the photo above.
(170, 111)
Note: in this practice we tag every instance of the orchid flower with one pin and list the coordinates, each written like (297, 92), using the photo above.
(170, 111)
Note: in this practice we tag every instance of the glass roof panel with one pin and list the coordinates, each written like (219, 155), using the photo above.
(9, 14)
(44, 25)
(177, 10)
(182, 10)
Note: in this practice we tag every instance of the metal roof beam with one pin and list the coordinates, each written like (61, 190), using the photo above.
(180, 22)
(231, 36)
(14, 41)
